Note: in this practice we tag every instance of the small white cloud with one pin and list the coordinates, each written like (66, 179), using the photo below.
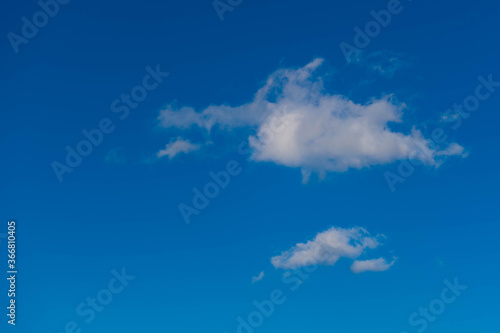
(258, 277)
(177, 146)
(371, 265)
(384, 63)
(327, 248)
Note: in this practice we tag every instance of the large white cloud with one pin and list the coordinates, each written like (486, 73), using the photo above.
(298, 124)
(327, 248)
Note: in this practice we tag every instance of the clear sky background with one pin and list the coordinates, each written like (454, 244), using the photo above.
(119, 207)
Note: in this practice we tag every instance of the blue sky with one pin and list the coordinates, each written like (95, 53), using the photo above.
(354, 192)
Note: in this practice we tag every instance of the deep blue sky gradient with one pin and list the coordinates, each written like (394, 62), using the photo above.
(440, 224)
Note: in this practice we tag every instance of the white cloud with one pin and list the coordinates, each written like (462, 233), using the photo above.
(177, 146)
(385, 63)
(327, 248)
(371, 265)
(296, 123)
(258, 277)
